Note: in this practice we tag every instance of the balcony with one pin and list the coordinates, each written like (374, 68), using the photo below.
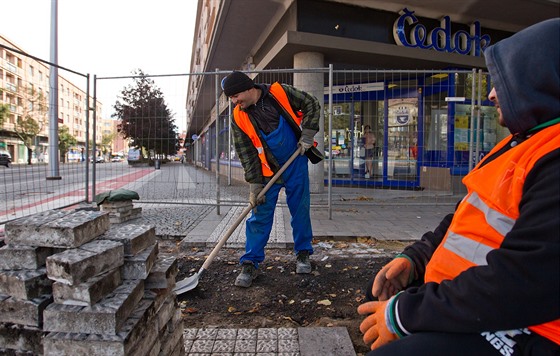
(11, 67)
(11, 87)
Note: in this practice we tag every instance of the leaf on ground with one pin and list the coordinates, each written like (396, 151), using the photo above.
(328, 266)
(231, 309)
(324, 302)
(360, 298)
(290, 319)
(190, 310)
(256, 308)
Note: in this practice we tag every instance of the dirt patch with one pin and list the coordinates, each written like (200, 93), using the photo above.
(279, 297)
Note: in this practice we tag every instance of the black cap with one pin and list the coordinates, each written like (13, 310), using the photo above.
(236, 82)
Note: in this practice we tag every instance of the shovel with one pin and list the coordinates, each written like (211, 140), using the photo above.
(191, 282)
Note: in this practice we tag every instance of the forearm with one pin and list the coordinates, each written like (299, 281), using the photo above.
(421, 251)
(307, 104)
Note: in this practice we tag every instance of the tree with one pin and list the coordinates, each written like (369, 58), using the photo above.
(29, 125)
(65, 141)
(145, 118)
(4, 112)
(106, 142)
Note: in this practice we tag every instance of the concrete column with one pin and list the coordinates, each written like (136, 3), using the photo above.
(313, 83)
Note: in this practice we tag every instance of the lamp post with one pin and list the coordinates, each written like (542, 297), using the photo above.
(53, 96)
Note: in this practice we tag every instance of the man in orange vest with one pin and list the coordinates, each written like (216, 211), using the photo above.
(271, 122)
(487, 280)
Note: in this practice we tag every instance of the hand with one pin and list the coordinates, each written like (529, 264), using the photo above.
(254, 190)
(374, 326)
(306, 140)
(303, 146)
(393, 278)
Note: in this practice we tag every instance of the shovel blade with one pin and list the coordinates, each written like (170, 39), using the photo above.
(186, 284)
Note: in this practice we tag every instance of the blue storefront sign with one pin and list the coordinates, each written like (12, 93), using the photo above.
(408, 32)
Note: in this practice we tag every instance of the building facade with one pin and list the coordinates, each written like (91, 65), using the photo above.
(24, 89)
(413, 72)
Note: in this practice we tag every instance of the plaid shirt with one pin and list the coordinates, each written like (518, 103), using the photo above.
(300, 101)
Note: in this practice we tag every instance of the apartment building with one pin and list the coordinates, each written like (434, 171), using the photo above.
(25, 89)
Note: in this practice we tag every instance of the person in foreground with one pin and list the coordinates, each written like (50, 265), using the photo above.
(271, 122)
(486, 281)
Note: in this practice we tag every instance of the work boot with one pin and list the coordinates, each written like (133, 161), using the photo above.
(248, 273)
(302, 262)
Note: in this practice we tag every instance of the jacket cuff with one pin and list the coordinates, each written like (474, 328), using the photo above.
(307, 135)
(392, 319)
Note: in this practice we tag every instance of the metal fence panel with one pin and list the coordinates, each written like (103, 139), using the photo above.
(32, 182)
(429, 128)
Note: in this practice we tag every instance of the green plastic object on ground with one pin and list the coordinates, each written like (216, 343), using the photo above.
(116, 195)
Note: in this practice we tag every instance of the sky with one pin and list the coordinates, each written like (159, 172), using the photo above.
(111, 38)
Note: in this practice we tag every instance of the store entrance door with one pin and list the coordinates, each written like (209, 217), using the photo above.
(402, 142)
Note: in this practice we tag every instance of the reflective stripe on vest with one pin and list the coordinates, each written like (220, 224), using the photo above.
(489, 211)
(475, 251)
(242, 120)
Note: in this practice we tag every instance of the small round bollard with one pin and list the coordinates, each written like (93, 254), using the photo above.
(157, 164)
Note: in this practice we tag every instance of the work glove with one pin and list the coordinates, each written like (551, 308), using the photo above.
(306, 140)
(375, 325)
(254, 190)
(393, 277)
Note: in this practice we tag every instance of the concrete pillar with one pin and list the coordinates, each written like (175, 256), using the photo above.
(313, 83)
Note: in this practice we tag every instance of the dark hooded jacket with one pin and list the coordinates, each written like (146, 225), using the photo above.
(520, 287)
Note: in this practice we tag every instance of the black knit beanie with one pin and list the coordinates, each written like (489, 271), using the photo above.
(236, 82)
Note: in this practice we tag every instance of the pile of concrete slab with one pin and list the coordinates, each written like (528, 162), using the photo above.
(72, 284)
(121, 211)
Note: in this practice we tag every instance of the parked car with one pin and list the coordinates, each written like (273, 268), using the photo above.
(5, 158)
(98, 159)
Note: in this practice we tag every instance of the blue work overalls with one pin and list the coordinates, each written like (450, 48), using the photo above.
(282, 143)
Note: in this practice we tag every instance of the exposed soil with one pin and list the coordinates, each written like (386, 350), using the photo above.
(278, 297)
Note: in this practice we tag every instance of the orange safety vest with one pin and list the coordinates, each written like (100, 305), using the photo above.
(489, 211)
(242, 120)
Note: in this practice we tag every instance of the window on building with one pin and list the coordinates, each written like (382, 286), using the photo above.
(31, 71)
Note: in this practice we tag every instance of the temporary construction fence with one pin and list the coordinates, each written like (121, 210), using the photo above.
(429, 127)
(40, 178)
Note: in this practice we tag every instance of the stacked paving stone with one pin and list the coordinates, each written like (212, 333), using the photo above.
(75, 285)
(121, 211)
